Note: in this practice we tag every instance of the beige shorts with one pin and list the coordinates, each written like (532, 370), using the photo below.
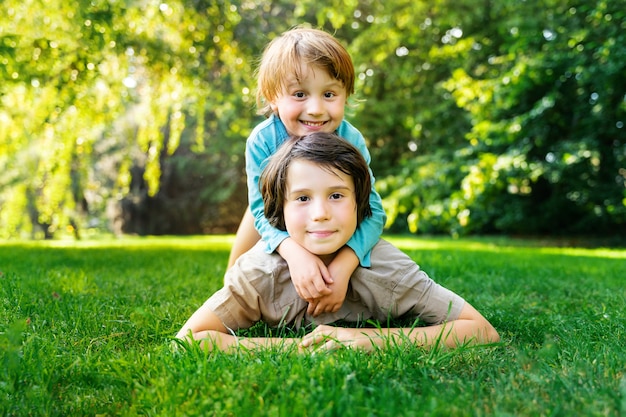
(259, 288)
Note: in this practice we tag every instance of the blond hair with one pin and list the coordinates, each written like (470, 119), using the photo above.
(289, 54)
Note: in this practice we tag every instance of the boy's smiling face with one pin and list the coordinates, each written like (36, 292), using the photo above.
(314, 103)
(320, 207)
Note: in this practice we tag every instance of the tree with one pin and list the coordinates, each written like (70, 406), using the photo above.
(548, 143)
(114, 81)
(503, 117)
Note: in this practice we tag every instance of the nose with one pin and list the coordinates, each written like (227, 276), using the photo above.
(319, 211)
(315, 106)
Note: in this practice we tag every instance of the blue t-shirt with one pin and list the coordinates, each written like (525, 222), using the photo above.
(262, 143)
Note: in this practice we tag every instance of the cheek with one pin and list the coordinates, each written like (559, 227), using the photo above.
(349, 215)
(292, 218)
(354, 217)
(339, 108)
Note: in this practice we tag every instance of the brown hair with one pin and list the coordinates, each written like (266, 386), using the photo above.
(286, 56)
(329, 151)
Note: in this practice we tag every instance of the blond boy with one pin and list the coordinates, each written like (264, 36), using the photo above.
(304, 80)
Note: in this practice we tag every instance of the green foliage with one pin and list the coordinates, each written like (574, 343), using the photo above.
(86, 328)
(128, 76)
(422, 193)
(512, 103)
(508, 117)
(547, 135)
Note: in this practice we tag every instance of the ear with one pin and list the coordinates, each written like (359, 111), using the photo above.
(274, 107)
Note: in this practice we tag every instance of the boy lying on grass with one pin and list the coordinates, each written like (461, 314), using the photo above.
(317, 188)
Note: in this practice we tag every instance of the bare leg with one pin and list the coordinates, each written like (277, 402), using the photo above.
(246, 237)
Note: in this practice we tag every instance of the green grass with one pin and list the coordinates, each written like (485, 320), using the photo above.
(86, 328)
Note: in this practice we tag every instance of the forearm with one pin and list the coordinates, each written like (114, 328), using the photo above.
(452, 334)
(308, 273)
(287, 248)
(205, 327)
(215, 340)
(470, 328)
(344, 264)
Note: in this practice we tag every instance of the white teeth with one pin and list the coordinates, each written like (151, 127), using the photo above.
(313, 123)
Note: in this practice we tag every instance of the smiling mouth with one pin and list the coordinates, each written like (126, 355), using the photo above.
(321, 233)
(313, 124)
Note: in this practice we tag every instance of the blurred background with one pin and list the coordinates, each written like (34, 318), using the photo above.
(482, 117)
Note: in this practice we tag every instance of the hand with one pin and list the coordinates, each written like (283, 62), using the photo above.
(326, 337)
(330, 303)
(341, 269)
(308, 273)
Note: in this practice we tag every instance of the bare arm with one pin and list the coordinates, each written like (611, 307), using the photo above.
(340, 269)
(213, 339)
(470, 327)
(308, 273)
(207, 328)
(204, 319)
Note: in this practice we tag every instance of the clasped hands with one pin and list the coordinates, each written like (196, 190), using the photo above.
(322, 286)
(314, 283)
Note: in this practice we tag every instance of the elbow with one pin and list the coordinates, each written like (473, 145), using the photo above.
(484, 332)
(491, 335)
(494, 336)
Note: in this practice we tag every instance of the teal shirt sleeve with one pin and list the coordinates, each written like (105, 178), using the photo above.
(370, 229)
(261, 144)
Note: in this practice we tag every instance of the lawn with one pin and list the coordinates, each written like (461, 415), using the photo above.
(86, 329)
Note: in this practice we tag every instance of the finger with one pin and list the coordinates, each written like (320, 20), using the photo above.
(331, 345)
(305, 342)
(311, 340)
(326, 308)
(326, 275)
(319, 309)
(331, 308)
(304, 293)
(312, 307)
(321, 288)
(315, 294)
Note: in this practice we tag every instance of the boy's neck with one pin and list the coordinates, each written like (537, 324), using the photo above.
(327, 259)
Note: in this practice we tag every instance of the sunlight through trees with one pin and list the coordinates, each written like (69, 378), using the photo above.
(132, 116)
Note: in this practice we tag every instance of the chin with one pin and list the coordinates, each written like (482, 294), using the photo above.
(321, 251)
